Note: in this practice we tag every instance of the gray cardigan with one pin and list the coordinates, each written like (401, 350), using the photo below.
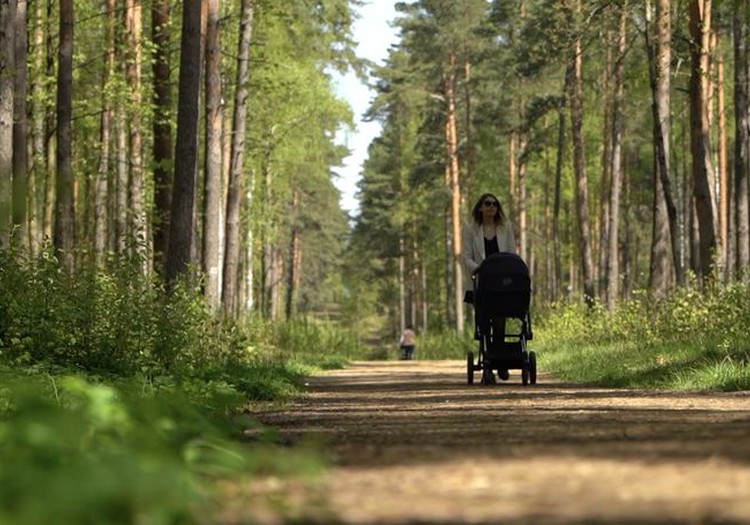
(473, 244)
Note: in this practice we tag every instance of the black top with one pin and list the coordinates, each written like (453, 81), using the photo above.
(490, 246)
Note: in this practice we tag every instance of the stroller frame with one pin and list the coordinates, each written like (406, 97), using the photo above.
(502, 289)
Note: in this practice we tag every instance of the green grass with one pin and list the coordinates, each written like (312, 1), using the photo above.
(690, 341)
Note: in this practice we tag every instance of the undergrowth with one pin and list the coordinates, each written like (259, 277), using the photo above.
(121, 402)
(692, 340)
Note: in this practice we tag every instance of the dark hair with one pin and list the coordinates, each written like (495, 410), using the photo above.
(476, 213)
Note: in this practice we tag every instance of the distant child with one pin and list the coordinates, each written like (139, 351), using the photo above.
(408, 338)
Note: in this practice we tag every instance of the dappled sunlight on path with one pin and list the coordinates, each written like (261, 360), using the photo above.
(411, 442)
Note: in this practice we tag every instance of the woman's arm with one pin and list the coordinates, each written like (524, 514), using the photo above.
(470, 258)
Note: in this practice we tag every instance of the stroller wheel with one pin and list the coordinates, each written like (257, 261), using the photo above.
(525, 374)
(532, 367)
(470, 368)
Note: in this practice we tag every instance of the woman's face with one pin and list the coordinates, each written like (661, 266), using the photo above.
(489, 208)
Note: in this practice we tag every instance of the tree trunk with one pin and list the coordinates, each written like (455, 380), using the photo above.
(186, 149)
(7, 9)
(401, 282)
(742, 133)
(268, 258)
(455, 190)
(101, 184)
(556, 234)
(20, 129)
(522, 214)
(579, 167)
(471, 156)
(722, 160)
(700, 25)
(120, 211)
(162, 129)
(606, 170)
(38, 172)
(133, 68)
(50, 130)
(64, 229)
(613, 252)
(665, 229)
(230, 283)
(294, 263)
(212, 191)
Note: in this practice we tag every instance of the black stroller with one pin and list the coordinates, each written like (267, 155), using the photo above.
(502, 289)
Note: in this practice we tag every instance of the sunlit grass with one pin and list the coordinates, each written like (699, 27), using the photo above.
(692, 341)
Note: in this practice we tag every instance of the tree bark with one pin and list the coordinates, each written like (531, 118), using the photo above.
(665, 228)
(231, 284)
(522, 213)
(162, 129)
(613, 252)
(722, 160)
(64, 230)
(7, 9)
(455, 190)
(20, 129)
(186, 149)
(101, 184)
(556, 234)
(741, 30)
(575, 71)
(134, 60)
(38, 171)
(700, 26)
(294, 263)
(212, 196)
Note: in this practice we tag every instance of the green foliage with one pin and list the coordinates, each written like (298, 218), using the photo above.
(79, 452)
(310, 344)
(444, 345)
(693, 339)
(121, 402)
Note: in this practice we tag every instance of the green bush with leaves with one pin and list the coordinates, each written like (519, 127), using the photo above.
(78, 452)
(122, 402)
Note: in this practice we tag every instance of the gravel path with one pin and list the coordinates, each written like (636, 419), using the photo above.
(411, 442)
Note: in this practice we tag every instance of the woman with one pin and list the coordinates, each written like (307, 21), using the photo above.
(490, 232)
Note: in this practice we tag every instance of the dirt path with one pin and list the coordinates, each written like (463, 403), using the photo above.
(410, 442)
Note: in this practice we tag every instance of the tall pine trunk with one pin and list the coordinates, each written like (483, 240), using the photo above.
(575, 85)
(64, 230)
(212, 190)
(6, 119)
(101, 184)
(235, 192)
(613, 252)
(665, 232)
(742, 134)
(134, 61)
(556, 233)
(186, 148)
(20, 128)
(455, 190)
(700, 27)
(162, 130)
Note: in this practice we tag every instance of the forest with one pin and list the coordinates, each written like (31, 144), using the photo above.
(173, 249)
(199, 138)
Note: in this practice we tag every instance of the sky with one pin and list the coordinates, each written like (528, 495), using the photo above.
(374, 35)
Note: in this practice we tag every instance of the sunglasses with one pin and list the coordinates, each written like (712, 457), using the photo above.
(489, 203)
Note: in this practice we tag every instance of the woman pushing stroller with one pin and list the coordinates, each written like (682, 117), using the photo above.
(489, 232)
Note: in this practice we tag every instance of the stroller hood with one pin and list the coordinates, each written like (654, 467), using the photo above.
(503, 286)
